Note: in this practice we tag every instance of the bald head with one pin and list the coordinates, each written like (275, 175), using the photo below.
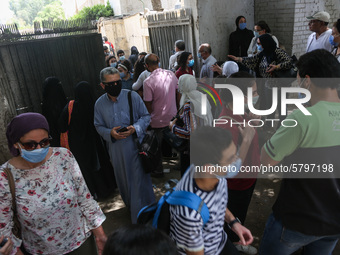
(151, 62)
(205, 50)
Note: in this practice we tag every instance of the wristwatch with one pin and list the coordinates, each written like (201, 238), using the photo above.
(230, 224)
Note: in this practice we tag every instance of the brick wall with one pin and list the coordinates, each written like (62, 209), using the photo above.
(287, 19)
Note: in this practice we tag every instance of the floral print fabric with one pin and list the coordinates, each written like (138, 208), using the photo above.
(55, 208)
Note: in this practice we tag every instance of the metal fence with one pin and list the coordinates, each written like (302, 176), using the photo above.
(166, 28)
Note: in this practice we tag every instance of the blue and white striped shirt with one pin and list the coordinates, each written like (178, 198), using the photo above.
(186, 227)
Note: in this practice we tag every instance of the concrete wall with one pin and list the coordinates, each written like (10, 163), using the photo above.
(215, 20)
(125, 32)
(134, 6)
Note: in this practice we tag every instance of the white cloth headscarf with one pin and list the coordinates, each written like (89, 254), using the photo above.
(229, 68)
(187, 86)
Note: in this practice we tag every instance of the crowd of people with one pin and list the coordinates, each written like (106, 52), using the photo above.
(48, 193)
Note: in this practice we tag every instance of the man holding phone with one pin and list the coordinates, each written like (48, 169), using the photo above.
(112, 121)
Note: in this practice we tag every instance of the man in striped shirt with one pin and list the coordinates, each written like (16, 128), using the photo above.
(209, 147)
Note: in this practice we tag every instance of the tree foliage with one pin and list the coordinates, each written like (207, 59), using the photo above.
(53, 11)
(26, 11)
(95, 12)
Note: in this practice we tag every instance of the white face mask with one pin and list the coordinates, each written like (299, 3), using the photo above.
(231, 170)
(255, 99)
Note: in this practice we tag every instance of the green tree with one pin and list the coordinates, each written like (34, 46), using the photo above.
(95, 12)
(53, 11)
(27, 10)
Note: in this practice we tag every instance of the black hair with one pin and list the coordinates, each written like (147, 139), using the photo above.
(246, 81)
(138, 68)
(207, 144)
(139, 239)
(105, 47)
(180, 44)
(263, 25)
(108, 58)
(127, 64)
(143, 53)
(337, 25)
(105, 38)
(320, 64)
(120, 52)
(183, 58)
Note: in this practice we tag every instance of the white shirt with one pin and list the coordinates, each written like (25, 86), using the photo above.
(173, 60)
(139, 83)
(321, 43)
(207, 64)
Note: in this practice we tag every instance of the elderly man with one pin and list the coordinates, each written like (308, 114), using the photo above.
(319, 39)
(110, 117)
(179, 48)
(160, 90)
(204, 52)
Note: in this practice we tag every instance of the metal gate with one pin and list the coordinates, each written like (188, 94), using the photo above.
(166, 28)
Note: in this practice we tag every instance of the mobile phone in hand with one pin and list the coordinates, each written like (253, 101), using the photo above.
(3, 242)
(123, 129)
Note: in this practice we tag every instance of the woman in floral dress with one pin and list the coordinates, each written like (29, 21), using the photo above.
(56, 212)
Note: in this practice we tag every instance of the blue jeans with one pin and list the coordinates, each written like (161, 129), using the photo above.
(279, 240)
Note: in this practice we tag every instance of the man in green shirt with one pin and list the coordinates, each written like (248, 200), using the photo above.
(307, 210)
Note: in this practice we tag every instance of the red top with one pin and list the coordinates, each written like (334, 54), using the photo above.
(110, 44)
(182, 71)
(253, 155)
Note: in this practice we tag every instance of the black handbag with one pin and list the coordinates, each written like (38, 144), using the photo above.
(148, 149)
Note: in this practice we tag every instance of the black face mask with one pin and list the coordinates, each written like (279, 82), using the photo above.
(113, 88)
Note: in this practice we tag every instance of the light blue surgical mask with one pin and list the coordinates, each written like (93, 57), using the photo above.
(255, 99)
(232, 170)
(199, 55)
(331, 41)
(259, 48)
(113, 64)
(34, 156)
(121, 58)
(191, 63)
(242, 26)
(302, 95)
(256, 34)
(122, 75)
(159, 64)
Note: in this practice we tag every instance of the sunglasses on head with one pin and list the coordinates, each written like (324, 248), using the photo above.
(30, 146)
(112, 83)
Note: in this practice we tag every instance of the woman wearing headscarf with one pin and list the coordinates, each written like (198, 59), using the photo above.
(185, 64)
(81, 131)
(134, 56)
(54, 207)
(124, 71)
(227, 69)
(190, 113)
(270, 59)
(53, 103)
(240, 39)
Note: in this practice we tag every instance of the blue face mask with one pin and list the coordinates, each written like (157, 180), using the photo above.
(113, 64)
(256, 34)
(255, 99)
(159, 64)
(242, 26)
(259, 48)
(232, 170)
(191, 63)
(122, 75)
(331, 41)
(199, 55)
(121, 58)
(34, 156)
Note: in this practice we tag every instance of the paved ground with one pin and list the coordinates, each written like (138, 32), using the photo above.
(263, 198)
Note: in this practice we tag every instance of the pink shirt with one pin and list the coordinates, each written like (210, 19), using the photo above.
(160, 89)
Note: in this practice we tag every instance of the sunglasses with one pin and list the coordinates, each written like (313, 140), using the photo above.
(112, 83)
(30, 146)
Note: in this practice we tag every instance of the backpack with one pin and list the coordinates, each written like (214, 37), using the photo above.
(158, 213)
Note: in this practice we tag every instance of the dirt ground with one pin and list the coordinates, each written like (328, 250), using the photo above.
(263, 198)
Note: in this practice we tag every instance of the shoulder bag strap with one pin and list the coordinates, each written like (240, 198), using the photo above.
(131, 119)
(11, 187)
(70, 109)
(190, 200)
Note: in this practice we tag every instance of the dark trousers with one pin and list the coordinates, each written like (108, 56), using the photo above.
(238, 203)
(158, 159)
(184, 158)
(229, 249)
(269, 102)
